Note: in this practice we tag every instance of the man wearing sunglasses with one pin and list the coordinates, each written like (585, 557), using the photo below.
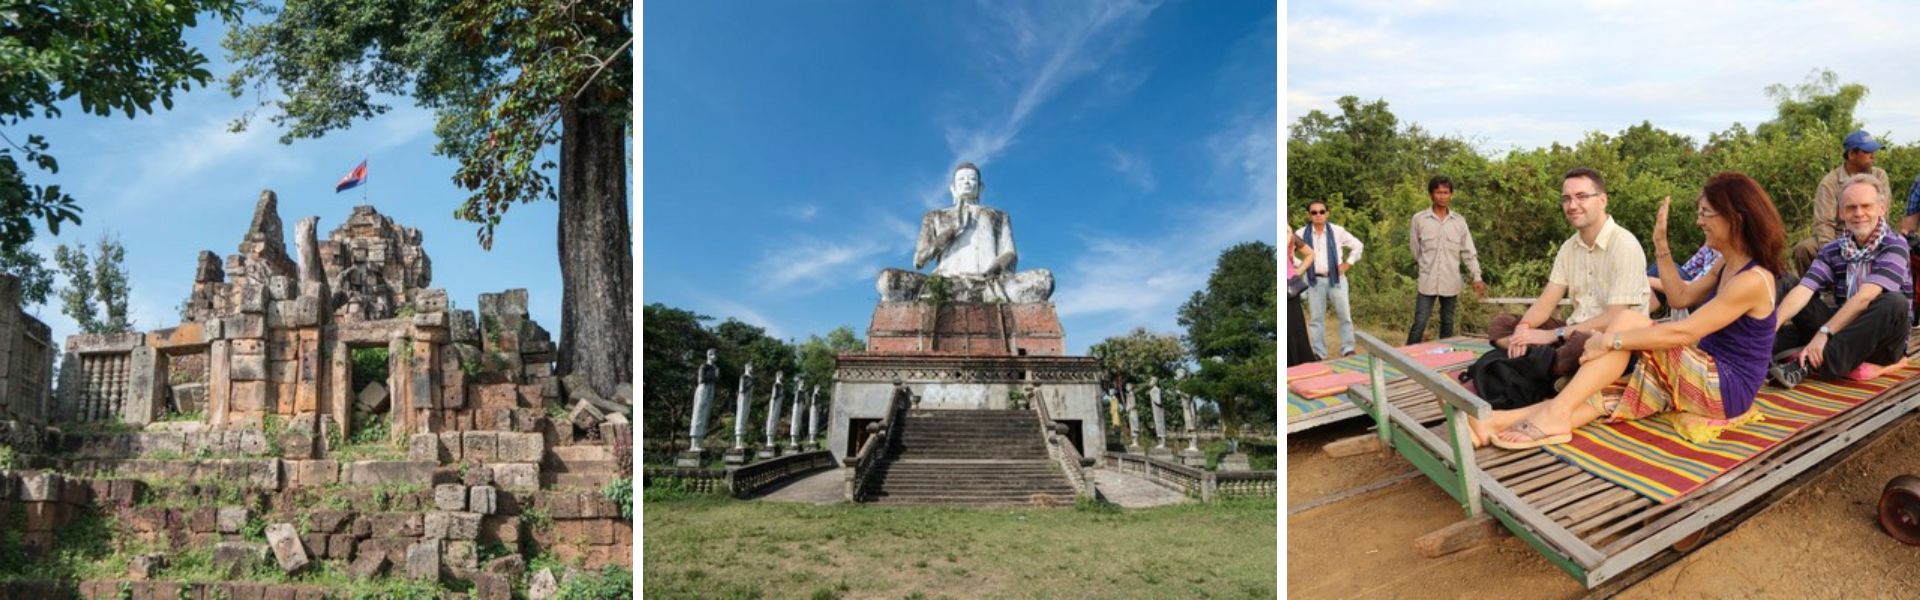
(1334, 252)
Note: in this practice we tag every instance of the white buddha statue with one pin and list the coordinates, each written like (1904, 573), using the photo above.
(973, 246)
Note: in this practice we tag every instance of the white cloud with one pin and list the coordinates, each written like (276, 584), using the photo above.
(1130, 282)
(1132, 167)
(808, 264)
(1048, 52)
(722, 309)
(1528, 74)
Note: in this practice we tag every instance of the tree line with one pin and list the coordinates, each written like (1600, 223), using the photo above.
(1372, 171)
(1229, 348)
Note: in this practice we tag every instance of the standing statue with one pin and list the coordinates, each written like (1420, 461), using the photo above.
(702, 404)
(813, 418)
(1159, 415)
(1193, 427)
(793, 418)
(773, 416)
(1133, 421)
(742, 402)
(1113, 407)
(973, 245)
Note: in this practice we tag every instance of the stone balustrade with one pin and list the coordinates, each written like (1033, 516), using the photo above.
(1196, 483)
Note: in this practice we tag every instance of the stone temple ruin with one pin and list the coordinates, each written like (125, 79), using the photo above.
(259, 406)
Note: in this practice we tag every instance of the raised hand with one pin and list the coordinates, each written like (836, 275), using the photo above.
(1660, 226)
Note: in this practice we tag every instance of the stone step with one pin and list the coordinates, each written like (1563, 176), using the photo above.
(582, 452)
(1006, 501)
(579, 480)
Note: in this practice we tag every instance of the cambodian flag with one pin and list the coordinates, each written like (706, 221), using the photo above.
(353, 179)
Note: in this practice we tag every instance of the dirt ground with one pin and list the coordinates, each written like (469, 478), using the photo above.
(1820, 542)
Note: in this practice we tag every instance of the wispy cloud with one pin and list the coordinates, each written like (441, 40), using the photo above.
(810, 264)
(1131, 167)
(1142, 280)
(1037, 49)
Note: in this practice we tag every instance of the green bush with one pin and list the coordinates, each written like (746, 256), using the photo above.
(608, 583)
(620, 492)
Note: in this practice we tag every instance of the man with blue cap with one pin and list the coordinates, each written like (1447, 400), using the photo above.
(1857, 152)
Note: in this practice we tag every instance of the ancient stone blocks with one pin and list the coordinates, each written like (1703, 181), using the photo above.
(423, 560)
(375, 472)
(287, 547)
(450, 496)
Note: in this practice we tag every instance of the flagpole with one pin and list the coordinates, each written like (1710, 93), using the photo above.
(363, 183)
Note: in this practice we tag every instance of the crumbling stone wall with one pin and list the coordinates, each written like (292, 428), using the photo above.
(26, 360)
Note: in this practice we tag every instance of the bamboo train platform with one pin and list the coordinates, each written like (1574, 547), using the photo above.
(1602, 534)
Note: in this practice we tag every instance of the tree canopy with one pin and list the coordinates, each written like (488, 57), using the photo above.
(106, 57)
(1233, 334)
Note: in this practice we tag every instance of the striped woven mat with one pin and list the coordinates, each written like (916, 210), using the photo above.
(1298, 405)
(1650, 458)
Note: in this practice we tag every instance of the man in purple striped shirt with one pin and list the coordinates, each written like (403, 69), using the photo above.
(1867, 323)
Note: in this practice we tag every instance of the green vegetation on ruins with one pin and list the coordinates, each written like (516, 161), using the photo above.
(844, 551)
(1372, 171)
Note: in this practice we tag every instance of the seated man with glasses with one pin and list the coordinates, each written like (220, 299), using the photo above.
(1866, 327)
(1602, 268)
(1334, 252)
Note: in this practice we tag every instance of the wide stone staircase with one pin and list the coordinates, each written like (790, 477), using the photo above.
(971, 457)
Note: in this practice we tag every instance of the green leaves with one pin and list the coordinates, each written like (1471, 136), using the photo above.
(498, 74)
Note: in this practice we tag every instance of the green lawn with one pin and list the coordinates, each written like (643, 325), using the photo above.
(720, 548)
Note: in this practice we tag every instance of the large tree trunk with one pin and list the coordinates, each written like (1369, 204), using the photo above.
(596, 261)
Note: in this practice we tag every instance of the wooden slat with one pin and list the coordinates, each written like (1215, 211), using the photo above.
(1624, 509)
(1552, 533)
(1569, 484)
(1578, 493)
(1542, 479)
(1597, 504)
(1535, 460)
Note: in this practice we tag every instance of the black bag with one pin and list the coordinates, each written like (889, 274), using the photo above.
(1509, 383)
(1296, 286)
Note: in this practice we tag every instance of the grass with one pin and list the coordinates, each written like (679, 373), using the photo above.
(1225, 550)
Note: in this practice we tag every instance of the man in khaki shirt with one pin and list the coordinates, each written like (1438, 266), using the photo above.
(1602, 268)
(1857, 151)
(1441, 242)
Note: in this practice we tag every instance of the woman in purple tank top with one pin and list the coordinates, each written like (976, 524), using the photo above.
(1707, 367)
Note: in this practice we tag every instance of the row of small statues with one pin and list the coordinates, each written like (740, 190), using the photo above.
(703, 392)
(1159, 418)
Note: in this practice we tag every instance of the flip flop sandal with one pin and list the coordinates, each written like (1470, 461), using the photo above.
(1535, 437)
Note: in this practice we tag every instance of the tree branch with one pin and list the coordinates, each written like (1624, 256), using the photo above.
(603, 66)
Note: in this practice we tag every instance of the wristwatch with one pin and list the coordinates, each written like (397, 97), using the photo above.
(1560, 334)
(1826, 330)
(1616, 341)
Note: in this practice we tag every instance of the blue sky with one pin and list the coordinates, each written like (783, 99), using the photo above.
(794, 146)
(1508, 73)
(176, 182)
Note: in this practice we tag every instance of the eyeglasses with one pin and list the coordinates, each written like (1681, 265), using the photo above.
(1580, 197)
(1316, 212)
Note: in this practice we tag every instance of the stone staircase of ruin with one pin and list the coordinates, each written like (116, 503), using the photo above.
(579, 466)
(970, 458)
